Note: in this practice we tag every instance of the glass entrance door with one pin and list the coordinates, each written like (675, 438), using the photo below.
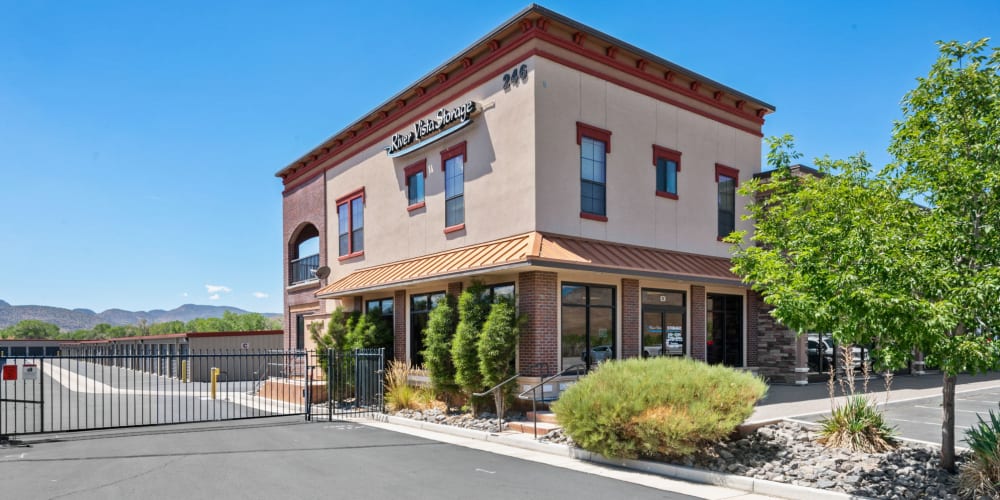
(725, 329)
(663, 333)
(663, 325)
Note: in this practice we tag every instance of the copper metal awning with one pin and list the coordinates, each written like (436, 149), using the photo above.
(538, 250)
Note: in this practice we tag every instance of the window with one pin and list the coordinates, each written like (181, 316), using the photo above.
(588, 325)
(499, 292)
(727, 180)
(667, 163)
(453, 163)
(595, 144)
(383, 306)
(351, 224)
(415, 176)
(303, 255)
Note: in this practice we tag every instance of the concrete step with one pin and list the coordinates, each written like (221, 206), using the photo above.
(529, 427)
(543, 416)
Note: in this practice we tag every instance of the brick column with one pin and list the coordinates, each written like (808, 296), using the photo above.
(698, 332)
(455, 289)
(399, 325)
(631, 334)
(754, 301)
(538, 300)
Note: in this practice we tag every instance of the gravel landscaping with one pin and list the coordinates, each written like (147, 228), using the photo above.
(786, 453)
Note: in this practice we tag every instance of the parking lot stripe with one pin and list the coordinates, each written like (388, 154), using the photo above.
(936, 424)
(938, 408)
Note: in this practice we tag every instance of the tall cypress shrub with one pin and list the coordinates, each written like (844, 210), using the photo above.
(438, 336)
(497, 346)
(473, 308)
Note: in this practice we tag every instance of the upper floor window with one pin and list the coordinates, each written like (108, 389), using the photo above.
(303, 255)
(415, 176)
(595, 145)
(667, 163)
(453, 163)
(727, 179)
(351, 224)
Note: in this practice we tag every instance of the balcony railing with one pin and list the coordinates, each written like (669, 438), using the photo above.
(303, 269)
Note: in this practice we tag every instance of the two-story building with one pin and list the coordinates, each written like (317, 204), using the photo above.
(587, 177)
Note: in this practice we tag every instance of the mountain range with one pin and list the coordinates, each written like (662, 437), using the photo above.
(77, 319)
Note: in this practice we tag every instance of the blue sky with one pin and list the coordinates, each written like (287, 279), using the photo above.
(139, 140)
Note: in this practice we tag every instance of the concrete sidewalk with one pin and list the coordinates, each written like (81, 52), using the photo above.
(786, 401)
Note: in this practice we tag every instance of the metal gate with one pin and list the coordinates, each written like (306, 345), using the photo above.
(134, 386)
(354, 383)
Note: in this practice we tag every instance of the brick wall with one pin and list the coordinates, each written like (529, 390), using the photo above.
(455, 289)
(538, 299)
(399, 309)
(698, 336)
(305, 204)
(631, 334)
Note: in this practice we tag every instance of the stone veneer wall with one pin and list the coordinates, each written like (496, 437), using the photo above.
(399, 308)
(776, 346)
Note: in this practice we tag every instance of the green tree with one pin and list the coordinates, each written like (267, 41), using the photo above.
(855, 254)
(368, 331)
(473, 308)
(33, 329)
(497, 346)
(438, 335)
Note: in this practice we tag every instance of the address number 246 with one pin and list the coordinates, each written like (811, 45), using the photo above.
(515, 76)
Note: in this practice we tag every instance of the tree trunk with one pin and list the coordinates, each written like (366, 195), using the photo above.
(948, 423)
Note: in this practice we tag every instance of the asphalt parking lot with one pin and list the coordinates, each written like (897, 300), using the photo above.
(285, 457)
(920, 419)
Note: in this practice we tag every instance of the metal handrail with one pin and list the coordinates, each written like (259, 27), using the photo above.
(493, 390)
(534, 392)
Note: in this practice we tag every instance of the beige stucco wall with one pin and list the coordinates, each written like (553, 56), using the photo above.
(635, 214)
(499, 194)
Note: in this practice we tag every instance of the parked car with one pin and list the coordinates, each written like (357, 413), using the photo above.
(598, 354)
(818, 348)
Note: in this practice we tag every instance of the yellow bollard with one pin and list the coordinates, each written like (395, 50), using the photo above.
(184, 371)
(215, 380)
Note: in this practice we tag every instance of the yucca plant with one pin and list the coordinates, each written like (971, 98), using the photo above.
(980, 477)
(858, 425)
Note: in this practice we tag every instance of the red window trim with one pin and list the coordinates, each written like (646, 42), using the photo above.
(417, 167)
(353, 194)
(598, 134)
(452, 152)
(350, 255)
(590, 216)
(416, 206)
(346, 202)
(666, 154)
(730, 172)
(452, 229)
(664, 194)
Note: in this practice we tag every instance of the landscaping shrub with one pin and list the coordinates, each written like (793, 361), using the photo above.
(369, 331)
(399, 394)
(437, 346)
(857, 425)
(662, 406)
(980, 476)
(497, 346)
(473, 308)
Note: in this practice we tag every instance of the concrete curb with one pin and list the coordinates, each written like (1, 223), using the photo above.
(690, 474)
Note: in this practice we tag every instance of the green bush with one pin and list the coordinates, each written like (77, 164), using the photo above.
(437, 346)
(657, 406)
(857, 425)
(473, 309)
(980, 477)
(497, 346)
(368, 331)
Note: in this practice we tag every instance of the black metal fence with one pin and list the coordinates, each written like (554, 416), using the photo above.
(91, 391)
(354, 382)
